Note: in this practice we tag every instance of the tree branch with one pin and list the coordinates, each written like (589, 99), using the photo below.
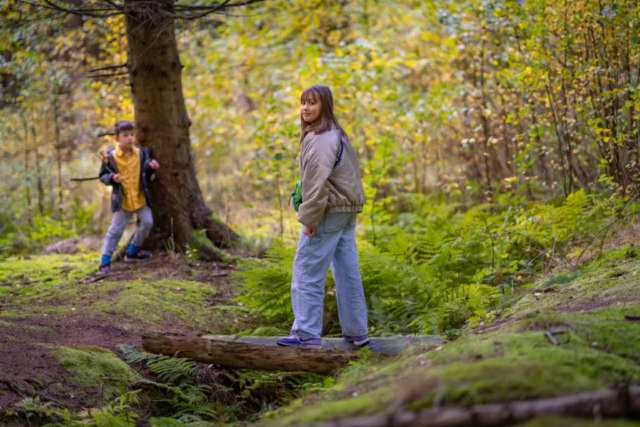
(97, 76)
(208, 10)
(85, 179)
(115, 9)
(91, 12)
(114, 4)
(108, 67)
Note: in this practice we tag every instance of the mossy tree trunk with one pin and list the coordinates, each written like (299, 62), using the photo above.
(163, 124)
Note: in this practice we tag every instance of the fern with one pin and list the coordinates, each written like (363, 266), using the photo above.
(438, 266)
(267, 283)
(117, 413)
(175, 370)
(182, 421)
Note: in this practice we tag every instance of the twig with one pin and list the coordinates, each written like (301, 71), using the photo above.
(106, 164)
(632, 317)
(85, 179)
(98, 277)
(550, 337)
(93, 12)
(97, 76)
(222, 274)
(108, 67)
(208, 10)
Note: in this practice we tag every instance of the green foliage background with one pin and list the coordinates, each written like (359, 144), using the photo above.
(498, 141)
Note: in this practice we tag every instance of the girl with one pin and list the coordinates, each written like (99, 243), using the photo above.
(332, 196)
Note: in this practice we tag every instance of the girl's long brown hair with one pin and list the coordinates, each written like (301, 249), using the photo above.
(327, 119)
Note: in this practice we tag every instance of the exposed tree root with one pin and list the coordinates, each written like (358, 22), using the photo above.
(621, 402)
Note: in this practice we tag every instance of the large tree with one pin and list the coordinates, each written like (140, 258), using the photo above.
(155, 75)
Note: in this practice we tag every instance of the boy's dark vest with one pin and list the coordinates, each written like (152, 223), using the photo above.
(109, 169)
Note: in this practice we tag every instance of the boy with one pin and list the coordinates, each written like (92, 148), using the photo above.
(128, 168)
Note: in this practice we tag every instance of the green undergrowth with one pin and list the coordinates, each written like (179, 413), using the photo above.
(94, 367)
(513, 360)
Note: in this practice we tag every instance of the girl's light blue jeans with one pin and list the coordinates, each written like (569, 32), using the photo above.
(334, 244)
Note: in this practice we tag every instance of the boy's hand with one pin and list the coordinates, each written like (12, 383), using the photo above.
(154, 164)
(116, 178)
(309, 231)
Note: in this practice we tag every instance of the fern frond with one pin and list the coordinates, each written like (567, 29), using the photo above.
(175, 370)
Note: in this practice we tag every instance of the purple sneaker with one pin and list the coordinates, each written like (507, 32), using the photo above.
(359, 341)
(137, 257)
(105, 269)
(294, 341)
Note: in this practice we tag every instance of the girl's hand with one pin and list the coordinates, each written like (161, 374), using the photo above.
(116, 178)
(309, 231)
(154, 164)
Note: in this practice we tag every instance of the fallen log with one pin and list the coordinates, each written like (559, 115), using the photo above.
(384, 345)
(264, 353)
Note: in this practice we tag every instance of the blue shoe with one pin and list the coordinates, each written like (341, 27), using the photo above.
(137, 257)
(294, 341)
(105, 269)
(359, 341)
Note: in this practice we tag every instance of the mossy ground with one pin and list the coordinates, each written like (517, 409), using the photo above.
(610, 279)
(155, 295)
(512, 360)
(93, 366)
(58, 330)
(577, 422)
(38, 274)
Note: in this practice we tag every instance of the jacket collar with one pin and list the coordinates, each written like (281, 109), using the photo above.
(118, 152)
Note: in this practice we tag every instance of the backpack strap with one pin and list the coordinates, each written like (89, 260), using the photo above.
(339, 156)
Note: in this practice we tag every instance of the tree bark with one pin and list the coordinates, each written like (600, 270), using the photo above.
(264, 353)
(27, 171)
(56, 124)
(163, 124)
(38, 175)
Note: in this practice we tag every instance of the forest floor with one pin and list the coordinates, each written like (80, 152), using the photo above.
(51, 305)
(508, 358)
(60, 324)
